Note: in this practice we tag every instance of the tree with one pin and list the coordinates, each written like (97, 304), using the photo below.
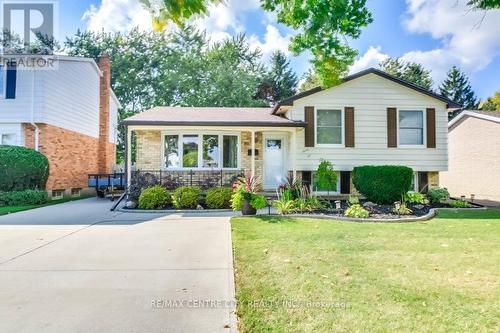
(179, 69)
(323, 26)
(484, 4)
(456, 87)
(310, 81)
(492, 103)
(280, 80)
(409, 71)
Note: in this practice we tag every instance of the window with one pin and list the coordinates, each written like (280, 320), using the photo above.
(411, 127)
(172, 151)
(76, 192)
(230, 151)
(3, 81)
(190, 151)
(8, 139)
(329, 127)
(57, 194)
(208, 151)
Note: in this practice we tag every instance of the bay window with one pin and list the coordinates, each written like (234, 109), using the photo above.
(200, 151)
(411, 127)
(329, 127)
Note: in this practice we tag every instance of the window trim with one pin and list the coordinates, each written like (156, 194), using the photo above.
(200, 135)
(8, 133)
(3, 72)
(342, 123)
(424, 129)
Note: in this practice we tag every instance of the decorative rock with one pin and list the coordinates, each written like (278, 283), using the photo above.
(419, 206)
(369, 204)
(199, 207)
(131, 204)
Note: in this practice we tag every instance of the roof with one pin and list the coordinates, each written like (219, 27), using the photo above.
(450, 104)
(485, 115)
(211, 116)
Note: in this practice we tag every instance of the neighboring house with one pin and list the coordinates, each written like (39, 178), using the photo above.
(371, 118)
(68, 113)
(474, 155)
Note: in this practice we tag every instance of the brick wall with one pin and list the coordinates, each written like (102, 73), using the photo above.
(106, 151)
(148, 150)
(246, 160)
(72, 156)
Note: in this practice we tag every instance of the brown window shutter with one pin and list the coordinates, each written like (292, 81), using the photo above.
(392, 128)
(309, 130)
(349, 126)
(431, 128)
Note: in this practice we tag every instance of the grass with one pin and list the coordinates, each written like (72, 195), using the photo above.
(14, 209)
(441, 275)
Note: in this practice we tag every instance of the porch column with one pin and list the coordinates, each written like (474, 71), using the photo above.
(128, 152)
(253, 154)
(293, 151)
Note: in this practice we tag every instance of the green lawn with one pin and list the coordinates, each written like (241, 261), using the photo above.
(14, 209)
(436, 276)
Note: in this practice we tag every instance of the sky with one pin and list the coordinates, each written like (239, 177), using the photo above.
(435, 33)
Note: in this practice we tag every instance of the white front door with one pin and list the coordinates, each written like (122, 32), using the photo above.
(274, 170)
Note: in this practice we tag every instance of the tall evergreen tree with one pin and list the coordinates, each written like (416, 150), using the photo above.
(280, 80)
(456, 87)
(409, 71)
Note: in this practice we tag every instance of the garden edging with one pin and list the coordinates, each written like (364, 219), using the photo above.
(173, 211)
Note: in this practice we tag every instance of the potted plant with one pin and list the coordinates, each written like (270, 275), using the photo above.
(245, 197)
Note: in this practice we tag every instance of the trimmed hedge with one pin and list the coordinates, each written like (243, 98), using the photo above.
(186, 197)
(154, 197)
(382, 184)
(21, 198)
(219, 198)
(22, 168)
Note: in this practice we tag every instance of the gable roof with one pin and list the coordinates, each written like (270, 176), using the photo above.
(450, 104)
(211, 116)
(484, 115)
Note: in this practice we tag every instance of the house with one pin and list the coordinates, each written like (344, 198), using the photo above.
(474, 155)
(372, 118)
(67, 112)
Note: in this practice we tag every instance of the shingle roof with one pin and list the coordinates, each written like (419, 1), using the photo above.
(210, 116)
(451, 104)
(489, 113)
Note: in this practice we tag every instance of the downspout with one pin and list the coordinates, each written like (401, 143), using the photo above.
(37, 130)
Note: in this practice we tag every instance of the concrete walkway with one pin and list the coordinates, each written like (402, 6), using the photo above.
(77, 267)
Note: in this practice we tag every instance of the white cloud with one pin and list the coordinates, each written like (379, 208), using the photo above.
(372, 57)
(469, 39)
(117, 16)
(273, 41)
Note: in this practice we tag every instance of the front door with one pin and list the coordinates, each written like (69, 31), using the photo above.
(274, 171)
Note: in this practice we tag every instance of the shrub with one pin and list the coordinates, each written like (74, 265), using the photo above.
(438, 195)
(258, 201)
(357, 211)
(284, 206)
(26, 197)
(415, 197)
(22, 168)
(382, 184)
(186, 197)
(218, 198)
(353, 200)
(460, 204)
(325, 177)
(154, 197)
(403, 210)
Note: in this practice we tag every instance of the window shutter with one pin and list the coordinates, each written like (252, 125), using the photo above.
(310, 129)
(392, 128)
(349, 126)
(431, 128)
(11, 81)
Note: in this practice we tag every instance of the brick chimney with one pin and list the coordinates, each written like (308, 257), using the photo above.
(105, 149)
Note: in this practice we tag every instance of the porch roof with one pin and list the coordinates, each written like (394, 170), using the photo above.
(211, 116)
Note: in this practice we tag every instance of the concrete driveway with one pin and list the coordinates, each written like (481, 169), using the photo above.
(77, 267)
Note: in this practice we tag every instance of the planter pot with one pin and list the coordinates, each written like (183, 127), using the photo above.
(247, 208)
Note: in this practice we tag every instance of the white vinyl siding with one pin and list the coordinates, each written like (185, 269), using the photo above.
(370, 96)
